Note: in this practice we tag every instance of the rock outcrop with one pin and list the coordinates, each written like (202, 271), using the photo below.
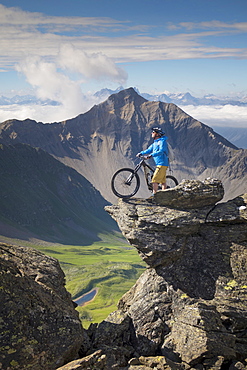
(189, 308)
(40, 328)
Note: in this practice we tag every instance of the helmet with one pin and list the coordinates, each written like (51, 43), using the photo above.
(158, 130)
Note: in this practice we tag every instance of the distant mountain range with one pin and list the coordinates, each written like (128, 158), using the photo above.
(167, 97)
(236, 135)
(180, 98)
(26, 99)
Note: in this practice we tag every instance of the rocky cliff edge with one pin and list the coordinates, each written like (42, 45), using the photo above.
(189, 308)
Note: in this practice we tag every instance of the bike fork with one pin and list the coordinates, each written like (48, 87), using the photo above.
(129, 179)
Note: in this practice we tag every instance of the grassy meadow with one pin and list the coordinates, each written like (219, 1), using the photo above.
(111, 265)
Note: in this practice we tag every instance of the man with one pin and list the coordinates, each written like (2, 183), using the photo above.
(159, 151)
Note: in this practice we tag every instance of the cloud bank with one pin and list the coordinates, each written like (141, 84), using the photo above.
(46, 113)
(219, 115)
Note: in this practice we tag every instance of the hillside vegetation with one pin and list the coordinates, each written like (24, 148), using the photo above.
(113, 267)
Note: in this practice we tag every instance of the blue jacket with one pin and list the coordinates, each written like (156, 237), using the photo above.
(159, 151)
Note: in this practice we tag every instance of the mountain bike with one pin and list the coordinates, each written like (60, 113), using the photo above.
(126, 182)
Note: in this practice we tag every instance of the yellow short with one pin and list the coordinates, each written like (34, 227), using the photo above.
(160, 175)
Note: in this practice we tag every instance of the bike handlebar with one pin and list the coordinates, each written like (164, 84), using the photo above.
(143, 156)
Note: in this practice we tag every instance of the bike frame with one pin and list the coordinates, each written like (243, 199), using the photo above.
(142, 163)
(145, 166)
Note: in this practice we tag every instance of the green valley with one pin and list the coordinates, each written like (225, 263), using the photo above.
(112, 265)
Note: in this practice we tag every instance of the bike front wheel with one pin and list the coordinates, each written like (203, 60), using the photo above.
(125, 183)
(171, 182)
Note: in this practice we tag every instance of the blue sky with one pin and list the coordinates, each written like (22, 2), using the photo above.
(70, 47)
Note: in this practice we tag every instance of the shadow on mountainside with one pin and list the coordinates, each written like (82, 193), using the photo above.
(44, 199)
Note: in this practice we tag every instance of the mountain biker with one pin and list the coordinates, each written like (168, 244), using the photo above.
(159, 151)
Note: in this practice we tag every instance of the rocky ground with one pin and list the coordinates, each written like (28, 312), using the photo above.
(40, 328)
(188, 310)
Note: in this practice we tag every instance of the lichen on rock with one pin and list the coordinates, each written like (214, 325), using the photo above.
(40, 328)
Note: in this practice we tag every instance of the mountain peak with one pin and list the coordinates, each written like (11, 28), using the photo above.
(128, 95)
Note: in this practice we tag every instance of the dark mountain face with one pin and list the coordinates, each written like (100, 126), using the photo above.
(110, 134)
(43, 198)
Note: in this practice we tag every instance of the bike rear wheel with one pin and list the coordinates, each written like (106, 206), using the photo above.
(125, 183)
(171, 182)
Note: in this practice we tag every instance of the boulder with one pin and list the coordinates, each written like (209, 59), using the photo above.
(191, 194)
(96, 360)
(40, 328)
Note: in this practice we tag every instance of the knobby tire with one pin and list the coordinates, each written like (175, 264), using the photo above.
(171, 181)
(119, 186)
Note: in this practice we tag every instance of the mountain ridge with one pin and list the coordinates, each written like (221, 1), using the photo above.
(236, 135)
(109, 135)
(166, 97)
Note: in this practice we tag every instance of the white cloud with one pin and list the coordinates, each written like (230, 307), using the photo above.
(51, 80)
(219, 115)
(28, 20)
(94, 66)
(239, 26)
(38, 34)
(49, 83)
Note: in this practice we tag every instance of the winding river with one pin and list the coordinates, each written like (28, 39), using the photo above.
(87, 297)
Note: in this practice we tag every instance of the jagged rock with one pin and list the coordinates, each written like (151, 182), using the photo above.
(191, 194)
(116, 331)
(95, 361)
(40, 328)
(198, 330)
(214, 363)
(190, 305)
(106, 358)
(155, 362)
(237, 365)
